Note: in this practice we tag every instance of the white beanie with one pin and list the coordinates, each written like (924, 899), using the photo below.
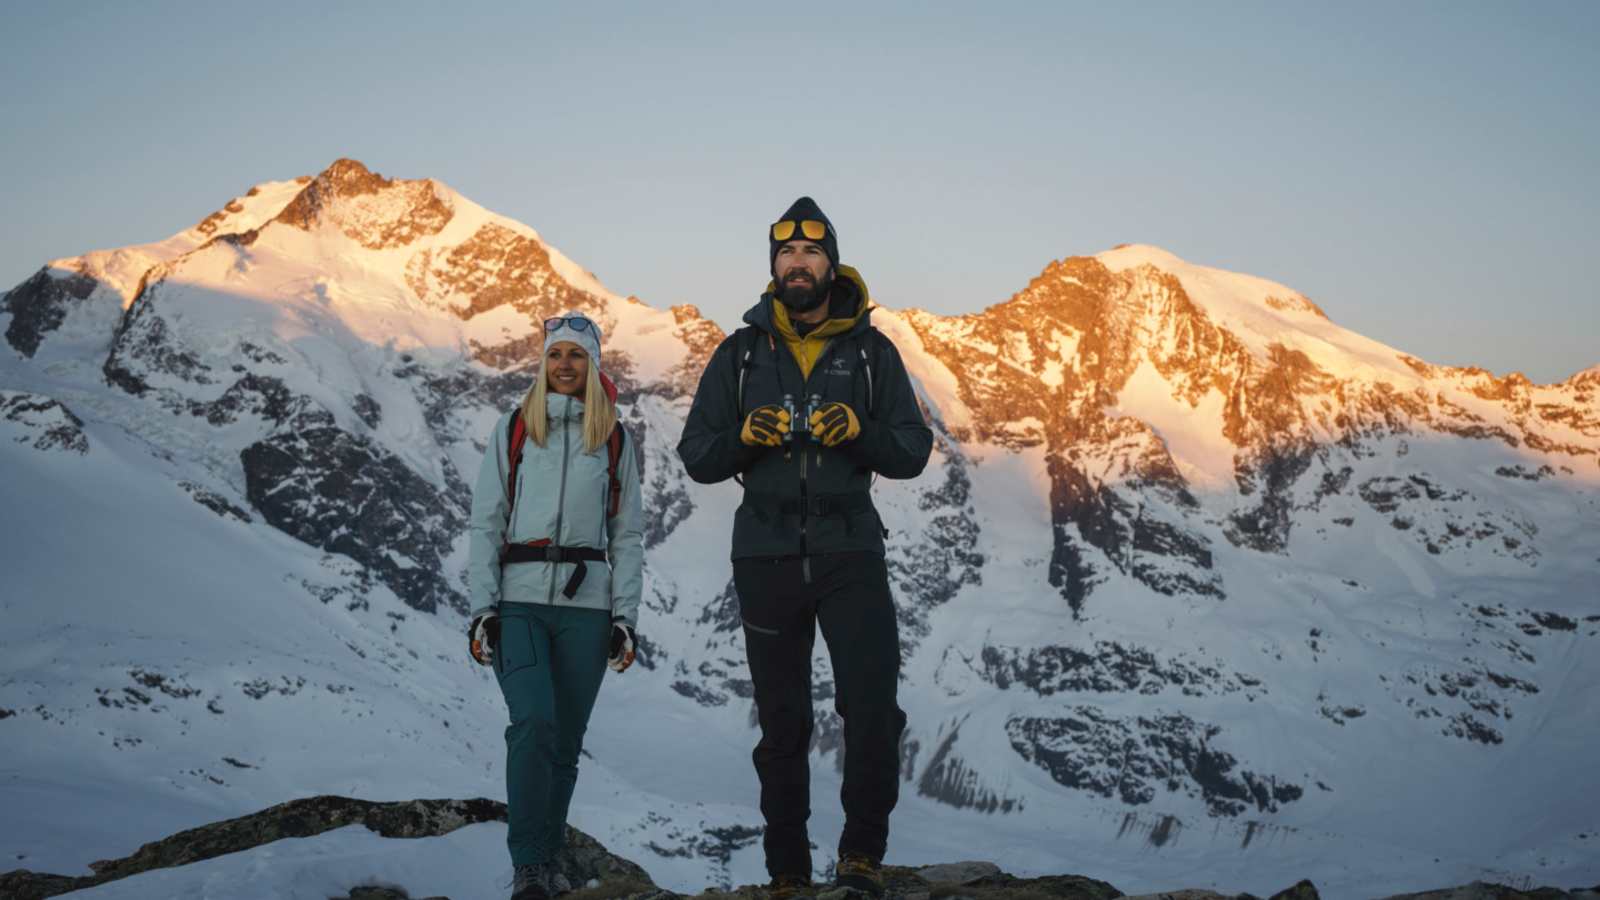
(587, 337)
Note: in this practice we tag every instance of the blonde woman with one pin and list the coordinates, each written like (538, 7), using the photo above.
(554, 575)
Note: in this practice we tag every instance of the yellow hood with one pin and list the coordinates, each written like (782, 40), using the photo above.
(808, 349)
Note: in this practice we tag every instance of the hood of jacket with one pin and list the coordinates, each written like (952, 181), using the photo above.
(563, 409)
(849, 308)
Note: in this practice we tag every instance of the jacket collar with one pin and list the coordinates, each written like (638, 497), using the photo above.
(562, 408)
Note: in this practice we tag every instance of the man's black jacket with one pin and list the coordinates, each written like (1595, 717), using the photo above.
(807, 499)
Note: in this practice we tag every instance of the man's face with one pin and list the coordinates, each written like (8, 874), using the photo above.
(801, 271)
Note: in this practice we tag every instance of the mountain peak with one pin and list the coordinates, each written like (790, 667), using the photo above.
(374, 211)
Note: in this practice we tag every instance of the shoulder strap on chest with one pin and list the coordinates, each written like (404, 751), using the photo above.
(614, 445)
(871, 335)
(748, 336)
(516, 435)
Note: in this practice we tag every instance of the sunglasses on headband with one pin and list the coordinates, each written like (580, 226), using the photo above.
(811, 229)
(576, 323)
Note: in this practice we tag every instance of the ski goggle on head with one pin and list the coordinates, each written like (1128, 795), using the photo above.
(810, 229)
(576, 323)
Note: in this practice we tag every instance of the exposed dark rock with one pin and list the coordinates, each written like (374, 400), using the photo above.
(215, 502)
(1273, 471)
(143, 345)
(259, 395)
(1126, 522)
(1485, 693)
(1132, 758)
(368, 410)
(948, 779)
(1110, 667)
(345, 494)
(929, 569)
(715, 844)
(699, 693)
(1555, 621)
(49, 424)
(39, 305)
(340, 192)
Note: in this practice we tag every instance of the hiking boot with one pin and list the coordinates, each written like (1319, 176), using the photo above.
(859, 872)
(791, 887)
(528, 883)
(555, 882)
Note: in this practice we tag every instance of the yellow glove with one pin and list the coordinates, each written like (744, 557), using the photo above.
(835, 423)
(765, 426)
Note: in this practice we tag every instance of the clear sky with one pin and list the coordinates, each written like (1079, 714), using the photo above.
(1427, 172)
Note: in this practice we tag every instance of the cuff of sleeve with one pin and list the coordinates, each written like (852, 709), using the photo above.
(864, 448)
(744, 453)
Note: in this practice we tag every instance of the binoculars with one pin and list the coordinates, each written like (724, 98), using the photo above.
(800, 419)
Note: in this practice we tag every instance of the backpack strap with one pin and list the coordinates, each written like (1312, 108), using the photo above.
(614, 445)
(748, 336)
(866, 366)
(516, 436)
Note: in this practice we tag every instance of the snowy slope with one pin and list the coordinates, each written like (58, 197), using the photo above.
(1189, 567)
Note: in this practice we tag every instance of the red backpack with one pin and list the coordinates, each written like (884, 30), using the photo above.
(518, 433)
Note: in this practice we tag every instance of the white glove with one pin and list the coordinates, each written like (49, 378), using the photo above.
(622, 646)
(482, 635)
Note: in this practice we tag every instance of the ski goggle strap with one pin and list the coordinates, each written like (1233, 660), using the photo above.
(576, 323)
(811, 229)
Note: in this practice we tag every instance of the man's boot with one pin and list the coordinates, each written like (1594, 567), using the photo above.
(860, 872)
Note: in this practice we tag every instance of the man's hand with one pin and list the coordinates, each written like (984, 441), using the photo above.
(482, 637)
(622, 646)
(765, 426)
(835, 423)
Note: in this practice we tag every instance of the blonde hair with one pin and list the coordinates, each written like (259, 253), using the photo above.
(599, 413)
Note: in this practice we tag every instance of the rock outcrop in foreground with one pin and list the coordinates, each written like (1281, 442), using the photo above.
(605, 876)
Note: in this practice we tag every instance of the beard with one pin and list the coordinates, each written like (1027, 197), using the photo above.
(803, 295)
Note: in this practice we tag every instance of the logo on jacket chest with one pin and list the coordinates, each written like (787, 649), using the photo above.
(838, 367)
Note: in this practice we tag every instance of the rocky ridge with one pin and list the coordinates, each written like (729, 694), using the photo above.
(603, 875)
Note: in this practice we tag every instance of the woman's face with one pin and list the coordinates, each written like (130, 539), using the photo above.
(567, 367)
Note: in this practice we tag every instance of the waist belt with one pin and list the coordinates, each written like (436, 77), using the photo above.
(544, 551)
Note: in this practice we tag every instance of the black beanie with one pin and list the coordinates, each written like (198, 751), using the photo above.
(800, 210)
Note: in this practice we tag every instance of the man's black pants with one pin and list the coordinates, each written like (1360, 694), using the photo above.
(848, 595)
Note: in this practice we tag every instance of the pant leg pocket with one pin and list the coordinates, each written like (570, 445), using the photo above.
(759, 629)
(757, 611)
(516, 651)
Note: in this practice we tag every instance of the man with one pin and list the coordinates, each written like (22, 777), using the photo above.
(806, 403)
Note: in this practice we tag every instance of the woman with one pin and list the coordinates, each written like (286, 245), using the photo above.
(557, 498)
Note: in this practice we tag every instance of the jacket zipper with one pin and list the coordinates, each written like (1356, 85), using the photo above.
(561, 497)
(805, 512)
(805, 465)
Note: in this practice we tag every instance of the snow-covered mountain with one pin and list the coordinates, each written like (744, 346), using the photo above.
(1198, 587)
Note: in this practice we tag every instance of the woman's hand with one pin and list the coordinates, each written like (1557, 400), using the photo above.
(622, 646)
(482, 636)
